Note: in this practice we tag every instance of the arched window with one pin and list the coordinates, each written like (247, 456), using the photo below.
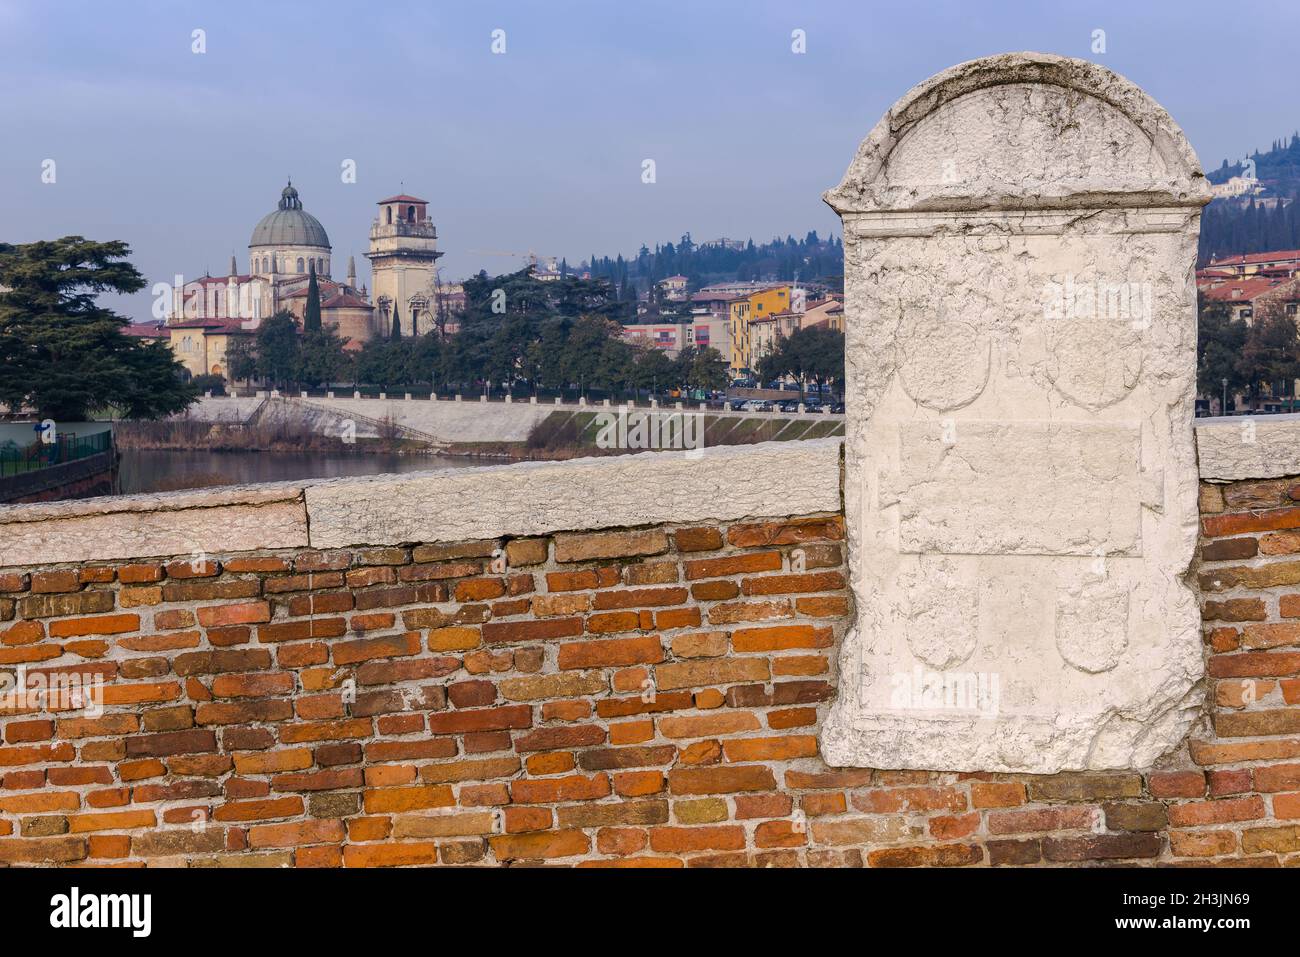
(320, 265)
(410, 213)
(389, 211)
(300, 265)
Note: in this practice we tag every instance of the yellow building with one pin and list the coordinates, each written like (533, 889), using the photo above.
(742, 311)
(766, 332)
(201, 345)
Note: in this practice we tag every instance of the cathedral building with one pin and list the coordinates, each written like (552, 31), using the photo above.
(287, 245)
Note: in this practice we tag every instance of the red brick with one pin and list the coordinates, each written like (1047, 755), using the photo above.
(486, 719)
(1225, 811)
(518, 631)
(99, 625)
(733, 565)
(610, 652)
(1240, 523)
(792, 584)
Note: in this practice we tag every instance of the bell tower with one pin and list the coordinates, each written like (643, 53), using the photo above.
(403, 256)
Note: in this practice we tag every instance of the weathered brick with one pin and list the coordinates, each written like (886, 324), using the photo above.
(692, 674)
(539, 846)
(502, 632)
(621, 544)
(610, 652)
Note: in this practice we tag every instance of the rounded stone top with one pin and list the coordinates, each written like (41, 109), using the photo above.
(289, 225)
(1022, 131)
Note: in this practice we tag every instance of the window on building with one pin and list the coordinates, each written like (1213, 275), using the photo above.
(410, 213)
(300, 265)
(389, 211)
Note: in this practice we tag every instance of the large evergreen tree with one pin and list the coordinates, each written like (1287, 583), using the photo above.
(278, 349)
(311, 314)
(64, 355)
(397, 325)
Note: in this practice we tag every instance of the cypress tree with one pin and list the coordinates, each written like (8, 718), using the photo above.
(311, 314)
(397, 325)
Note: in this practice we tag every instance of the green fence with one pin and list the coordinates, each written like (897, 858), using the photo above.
(15, 460)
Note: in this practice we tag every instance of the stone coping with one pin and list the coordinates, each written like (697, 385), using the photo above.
(723, 483)
(1235, 447)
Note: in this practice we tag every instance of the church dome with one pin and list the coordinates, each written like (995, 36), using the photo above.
(289, 225)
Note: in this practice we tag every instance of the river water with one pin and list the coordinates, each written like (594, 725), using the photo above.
(150, 470)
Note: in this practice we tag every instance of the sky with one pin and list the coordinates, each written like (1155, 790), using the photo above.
(540, 147)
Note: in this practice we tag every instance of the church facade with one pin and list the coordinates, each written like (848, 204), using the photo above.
(287, 245)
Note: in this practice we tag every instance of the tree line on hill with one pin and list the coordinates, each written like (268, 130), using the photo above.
(1229, 229)
(1232, 227)
(811, 259)
(1280, 165)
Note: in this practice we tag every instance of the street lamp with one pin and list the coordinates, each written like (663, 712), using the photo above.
(1223, 409)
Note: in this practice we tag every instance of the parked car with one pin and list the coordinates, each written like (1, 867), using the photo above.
(812, 403)
(758, 405)
(837, 408)
(788, 405)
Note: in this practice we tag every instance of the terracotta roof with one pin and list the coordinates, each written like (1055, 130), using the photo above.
(1244, 290)
(321, 285)
(147, 330)
(217, 280)
(402, 198)
(345, 300)
(216, 327)
(1247, 258)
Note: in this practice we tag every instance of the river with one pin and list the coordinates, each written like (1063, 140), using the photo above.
(150, 470)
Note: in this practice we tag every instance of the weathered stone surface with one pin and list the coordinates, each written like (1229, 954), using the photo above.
(1246, 448)
(537, 498)
(1021, 482)
(1072, 487)
(239, 518)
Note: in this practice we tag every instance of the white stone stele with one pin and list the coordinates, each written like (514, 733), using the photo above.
(533, 498)
(1233, 448)
(1020, 474)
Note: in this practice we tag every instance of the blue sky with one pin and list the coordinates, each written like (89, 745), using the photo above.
(540, 148)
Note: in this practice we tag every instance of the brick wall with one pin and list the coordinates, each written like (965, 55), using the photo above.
(647, 696)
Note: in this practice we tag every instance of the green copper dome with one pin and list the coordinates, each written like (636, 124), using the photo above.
(289, 225)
